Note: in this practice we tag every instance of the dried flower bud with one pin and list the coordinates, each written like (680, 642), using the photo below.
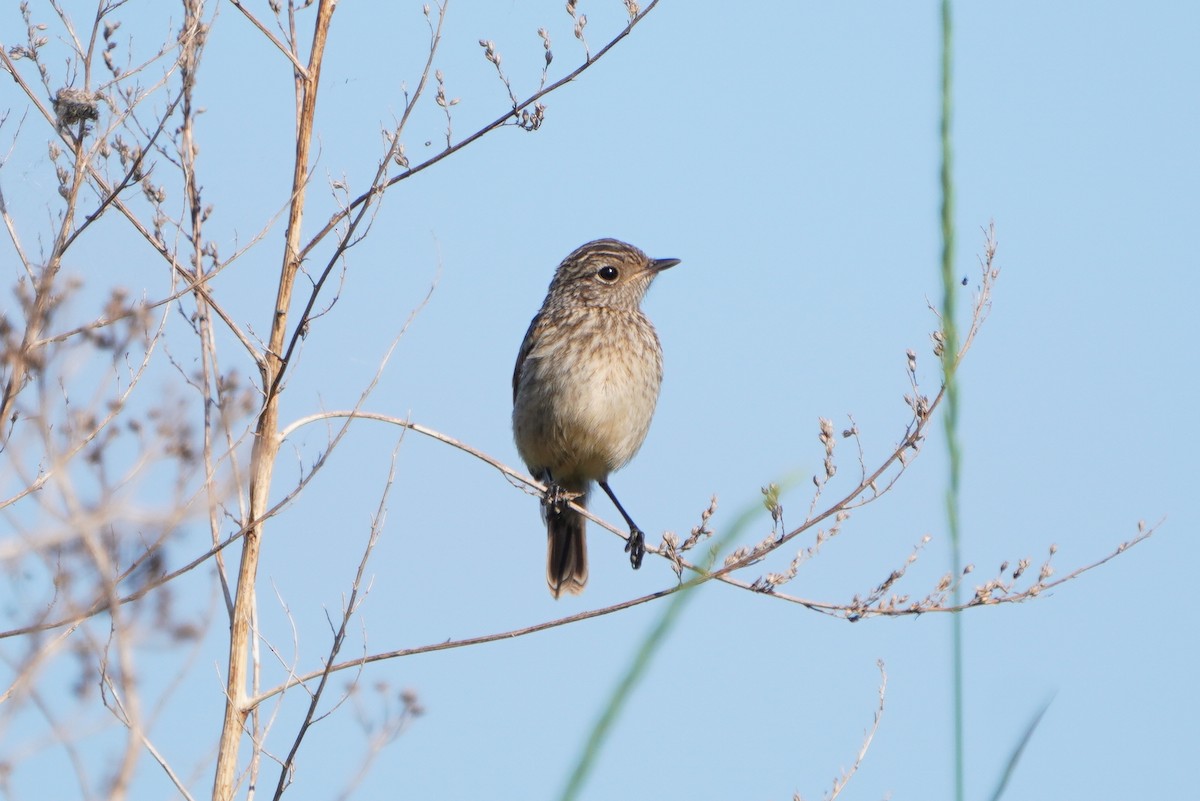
(74, 106)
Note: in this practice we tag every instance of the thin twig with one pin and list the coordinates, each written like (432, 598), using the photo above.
(297, 65)
(840, 783)
(514, 113)
(349, 608)
(347, 239)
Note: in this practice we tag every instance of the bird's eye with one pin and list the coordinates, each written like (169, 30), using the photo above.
(607, 273)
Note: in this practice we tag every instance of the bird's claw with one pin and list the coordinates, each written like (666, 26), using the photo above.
(635, 546)
(556, 498)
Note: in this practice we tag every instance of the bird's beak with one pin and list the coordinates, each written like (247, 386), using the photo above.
(658, 265)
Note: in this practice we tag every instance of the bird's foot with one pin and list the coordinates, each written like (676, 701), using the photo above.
(635, 546)
(556, 498)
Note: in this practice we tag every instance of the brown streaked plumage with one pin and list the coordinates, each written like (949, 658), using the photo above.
(584, 390)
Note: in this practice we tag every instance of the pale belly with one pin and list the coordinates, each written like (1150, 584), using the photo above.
(584, 426)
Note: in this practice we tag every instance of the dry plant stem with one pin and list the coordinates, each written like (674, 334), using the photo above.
(378, 184)
(12, 228)
(827, 608)
(134, 166)
(189, 61)
(378, 741)
(537, 489)
(102, 604)
(840, 783)
(451, 644)
(514, 113)
(113, 410)
(914, 434)
(43, 287)
(266, 443)
(300, 69)
(146, 743)
(357, 593)
(34, 662)
(376, 529)
(126, 678)
(196, 281)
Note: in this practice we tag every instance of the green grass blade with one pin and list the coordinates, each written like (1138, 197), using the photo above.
(1015, 757)
(950, 419)
(636, 671)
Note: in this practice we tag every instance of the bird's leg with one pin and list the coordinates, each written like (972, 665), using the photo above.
(635, 546)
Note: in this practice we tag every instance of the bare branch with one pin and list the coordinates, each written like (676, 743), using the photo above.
(297, 65)
(514, 114)
(349, 608)
(841, 781)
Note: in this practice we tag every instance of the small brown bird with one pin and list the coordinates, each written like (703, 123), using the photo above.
(584, 390)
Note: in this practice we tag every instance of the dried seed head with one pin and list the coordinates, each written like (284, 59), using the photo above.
(73, 106)
(939, 343)
(737, 556)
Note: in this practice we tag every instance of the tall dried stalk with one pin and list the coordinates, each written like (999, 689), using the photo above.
(266, 433)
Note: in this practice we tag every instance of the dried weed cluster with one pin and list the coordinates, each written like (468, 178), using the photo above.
(137, 407)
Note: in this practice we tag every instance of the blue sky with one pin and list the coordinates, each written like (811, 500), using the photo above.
(789, 157)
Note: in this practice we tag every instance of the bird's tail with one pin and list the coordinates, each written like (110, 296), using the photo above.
(566, 548)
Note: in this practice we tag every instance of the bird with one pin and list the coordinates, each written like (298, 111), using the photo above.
(585, 386)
